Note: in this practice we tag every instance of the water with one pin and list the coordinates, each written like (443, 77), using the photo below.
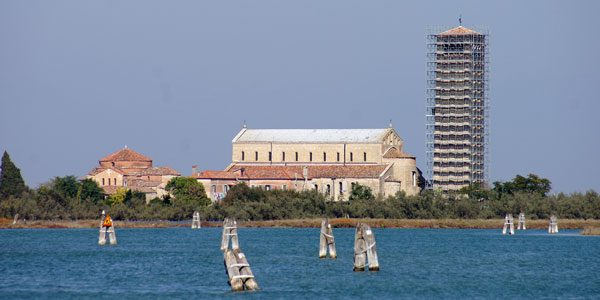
(184, 263)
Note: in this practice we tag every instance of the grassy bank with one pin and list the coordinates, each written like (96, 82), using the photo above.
(594, 225)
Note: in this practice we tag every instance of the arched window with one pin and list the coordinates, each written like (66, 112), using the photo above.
(338, 156)
(270, 156)
(310, 156)
(341, 186)
(283, 156)
(115, 180)
(242, 155)
(365, 155)
(256, 155)
(328, 190)
(351, 158)
(102, 181)
(296, 156)
(324, 156)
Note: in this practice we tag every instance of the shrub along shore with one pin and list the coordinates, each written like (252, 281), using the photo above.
(593, 225)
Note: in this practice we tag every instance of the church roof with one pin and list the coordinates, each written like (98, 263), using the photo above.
(294, 172)
(125, 155)
(394, 153)
(459, 30)
(310, 135)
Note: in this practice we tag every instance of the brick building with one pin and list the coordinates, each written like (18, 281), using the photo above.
(328, 160)
(129, 169)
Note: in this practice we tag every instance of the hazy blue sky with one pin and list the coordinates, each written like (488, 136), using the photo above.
(174, 80)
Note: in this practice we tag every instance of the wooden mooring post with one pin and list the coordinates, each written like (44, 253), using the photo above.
(364, 248)
(16, 219)
(521, 224)
(327, 240)
(553, 226)
(508, 224)
(230, 232)
(196, 221)
(238, 270)
(107, 228)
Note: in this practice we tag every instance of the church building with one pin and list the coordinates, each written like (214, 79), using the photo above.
(131, 170)
(327, 160)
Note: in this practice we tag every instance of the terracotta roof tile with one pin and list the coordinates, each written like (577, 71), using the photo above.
(98, 170)
(295, 172)
(459, 30)
(394, 153)
(125, 155)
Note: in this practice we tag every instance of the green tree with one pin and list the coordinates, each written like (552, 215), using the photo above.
(118, 197)
(530, 184)
(360, 192)
(89, 190)
(187, 189)
(11, 182)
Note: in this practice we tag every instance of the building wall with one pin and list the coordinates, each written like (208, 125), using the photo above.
(348, 153)
(108, 178)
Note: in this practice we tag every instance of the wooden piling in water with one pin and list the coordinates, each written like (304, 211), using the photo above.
(238, 270)
(508, 224)
(365, 249)
(196, 224)
(326, 240)
(16, 219)
(107, 228)
(553, 226)
(521, 224)
(230, 232)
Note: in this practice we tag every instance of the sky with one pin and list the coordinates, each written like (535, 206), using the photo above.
(175, 80)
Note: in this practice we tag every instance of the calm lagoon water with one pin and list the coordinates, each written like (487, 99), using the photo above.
(183, 263)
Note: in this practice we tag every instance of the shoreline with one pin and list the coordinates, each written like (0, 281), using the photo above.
(312, 223)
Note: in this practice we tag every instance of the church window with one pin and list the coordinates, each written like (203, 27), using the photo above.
(328, 190)
(113, 163)
(115, 180)
(102, 181)
(296, 156)
(242, 155)
(324, 156)
(282, 156)
(338, 156)
(270, 156)
(365, 156)
(109, 181)
(256, 155)
(341, 190)
(351, 158)
(310, 156)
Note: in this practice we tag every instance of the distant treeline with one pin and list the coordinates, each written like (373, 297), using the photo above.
(67, 198)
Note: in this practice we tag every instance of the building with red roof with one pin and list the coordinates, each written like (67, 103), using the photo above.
(129, 169)
(327, 160)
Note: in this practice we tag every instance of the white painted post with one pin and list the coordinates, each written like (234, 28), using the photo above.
(196, 224)
(508, 224)
(364, 248)
(229, 232)
(326, 240)
(107, 228)
(521, 224)
(553, 226)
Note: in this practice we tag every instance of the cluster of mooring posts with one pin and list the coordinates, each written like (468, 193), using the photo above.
(521, 224)
(508, 224)
(364, 248)
(327, 241)
(196, 224)
(236, 264)
(107, 228)
(553, 226)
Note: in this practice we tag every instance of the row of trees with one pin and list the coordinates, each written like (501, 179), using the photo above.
(69, 198)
